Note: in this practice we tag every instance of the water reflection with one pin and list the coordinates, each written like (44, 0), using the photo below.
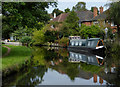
(62, 67)
(86, 58)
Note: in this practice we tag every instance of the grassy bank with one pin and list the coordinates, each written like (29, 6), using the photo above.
(16, 58)
(4, 50)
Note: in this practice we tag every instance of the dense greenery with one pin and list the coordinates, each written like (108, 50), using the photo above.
(114, 13)
(92, 31)
(57, 11)
(67, 10)
(18, 15)
(4, 50)
(80, 6)
(70, 26)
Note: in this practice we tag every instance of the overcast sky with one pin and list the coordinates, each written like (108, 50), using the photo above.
(62, 4)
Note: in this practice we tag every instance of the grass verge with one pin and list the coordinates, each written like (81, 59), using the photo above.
(16, 58)
(4, 50)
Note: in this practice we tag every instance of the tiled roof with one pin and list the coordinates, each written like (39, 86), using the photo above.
(61, 17)
(102, 16)
(85, 15)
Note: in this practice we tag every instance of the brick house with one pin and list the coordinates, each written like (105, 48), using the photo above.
(102, 19)
(88, 18)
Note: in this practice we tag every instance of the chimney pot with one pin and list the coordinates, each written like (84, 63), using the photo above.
(101, 9)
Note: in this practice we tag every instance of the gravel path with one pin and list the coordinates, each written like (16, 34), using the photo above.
(7, 51)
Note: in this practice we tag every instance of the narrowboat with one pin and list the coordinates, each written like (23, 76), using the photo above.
(92, 45)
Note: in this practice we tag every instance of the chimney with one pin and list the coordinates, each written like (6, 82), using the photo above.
(54, 15)
(101, 9)
(95, 11)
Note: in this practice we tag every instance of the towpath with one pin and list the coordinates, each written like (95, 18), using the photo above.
(7, 51)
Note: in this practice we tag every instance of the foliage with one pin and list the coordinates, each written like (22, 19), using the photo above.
(64, 41)
(70, 26)
(50, 36)
(114, 13)
(57, 11)
(26, 39)
(4, 50)
(21, 14)
(67, 10)
(91, 31)
(39, 37)
(80, 6)
(110, 34)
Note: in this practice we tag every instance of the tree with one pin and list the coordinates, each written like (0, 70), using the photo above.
(70, 25)
(80, 6)
(91, 31)
(21, 14)
(57, 11)
(114, 14)
(67, 10)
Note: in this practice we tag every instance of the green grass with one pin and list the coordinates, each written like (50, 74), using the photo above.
(4, 50)
(17, 56)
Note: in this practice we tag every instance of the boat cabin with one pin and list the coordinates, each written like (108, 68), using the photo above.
(90, 43)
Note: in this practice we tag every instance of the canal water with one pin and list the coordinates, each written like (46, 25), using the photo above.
(59, 66)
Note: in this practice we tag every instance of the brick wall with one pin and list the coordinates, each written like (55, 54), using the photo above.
(87, 23)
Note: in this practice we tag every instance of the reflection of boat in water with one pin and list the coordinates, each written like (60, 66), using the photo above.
(86, 58)
(93, 45)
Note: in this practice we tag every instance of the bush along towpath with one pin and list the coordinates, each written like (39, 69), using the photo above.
(14, 58)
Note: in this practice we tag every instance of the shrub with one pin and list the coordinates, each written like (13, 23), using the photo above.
(91, 31)
(64, 41)
(26, 39)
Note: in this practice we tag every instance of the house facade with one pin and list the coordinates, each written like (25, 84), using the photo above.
(88, 18)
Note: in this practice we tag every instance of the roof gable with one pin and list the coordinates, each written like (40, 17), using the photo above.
(61, 17)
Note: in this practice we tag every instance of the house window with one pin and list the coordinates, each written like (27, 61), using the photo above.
(95, 22)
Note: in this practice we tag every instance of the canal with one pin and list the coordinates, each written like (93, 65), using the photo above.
(59, 66)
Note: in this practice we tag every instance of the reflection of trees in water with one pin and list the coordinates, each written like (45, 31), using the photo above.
(113, 61)
(34, 77)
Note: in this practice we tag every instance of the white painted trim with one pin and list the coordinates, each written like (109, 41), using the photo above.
(99, 47)
(99, 57)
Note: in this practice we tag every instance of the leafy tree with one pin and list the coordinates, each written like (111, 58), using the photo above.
(80, 6)
(26, 39)
(67, 10)
(70, 26)
(39, 36)
(51, 35)
(21, 14)
(91, 31)
(114, 14)
(57, 11)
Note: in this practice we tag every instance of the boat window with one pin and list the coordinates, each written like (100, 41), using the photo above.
(83, 44)
(100, 43)
(76, 44)
(89, 43)
(72, 43)
(80, 43)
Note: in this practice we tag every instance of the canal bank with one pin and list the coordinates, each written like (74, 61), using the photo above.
(15, 60)
(54, 63)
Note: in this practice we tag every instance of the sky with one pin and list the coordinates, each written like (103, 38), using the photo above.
(62, 4)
